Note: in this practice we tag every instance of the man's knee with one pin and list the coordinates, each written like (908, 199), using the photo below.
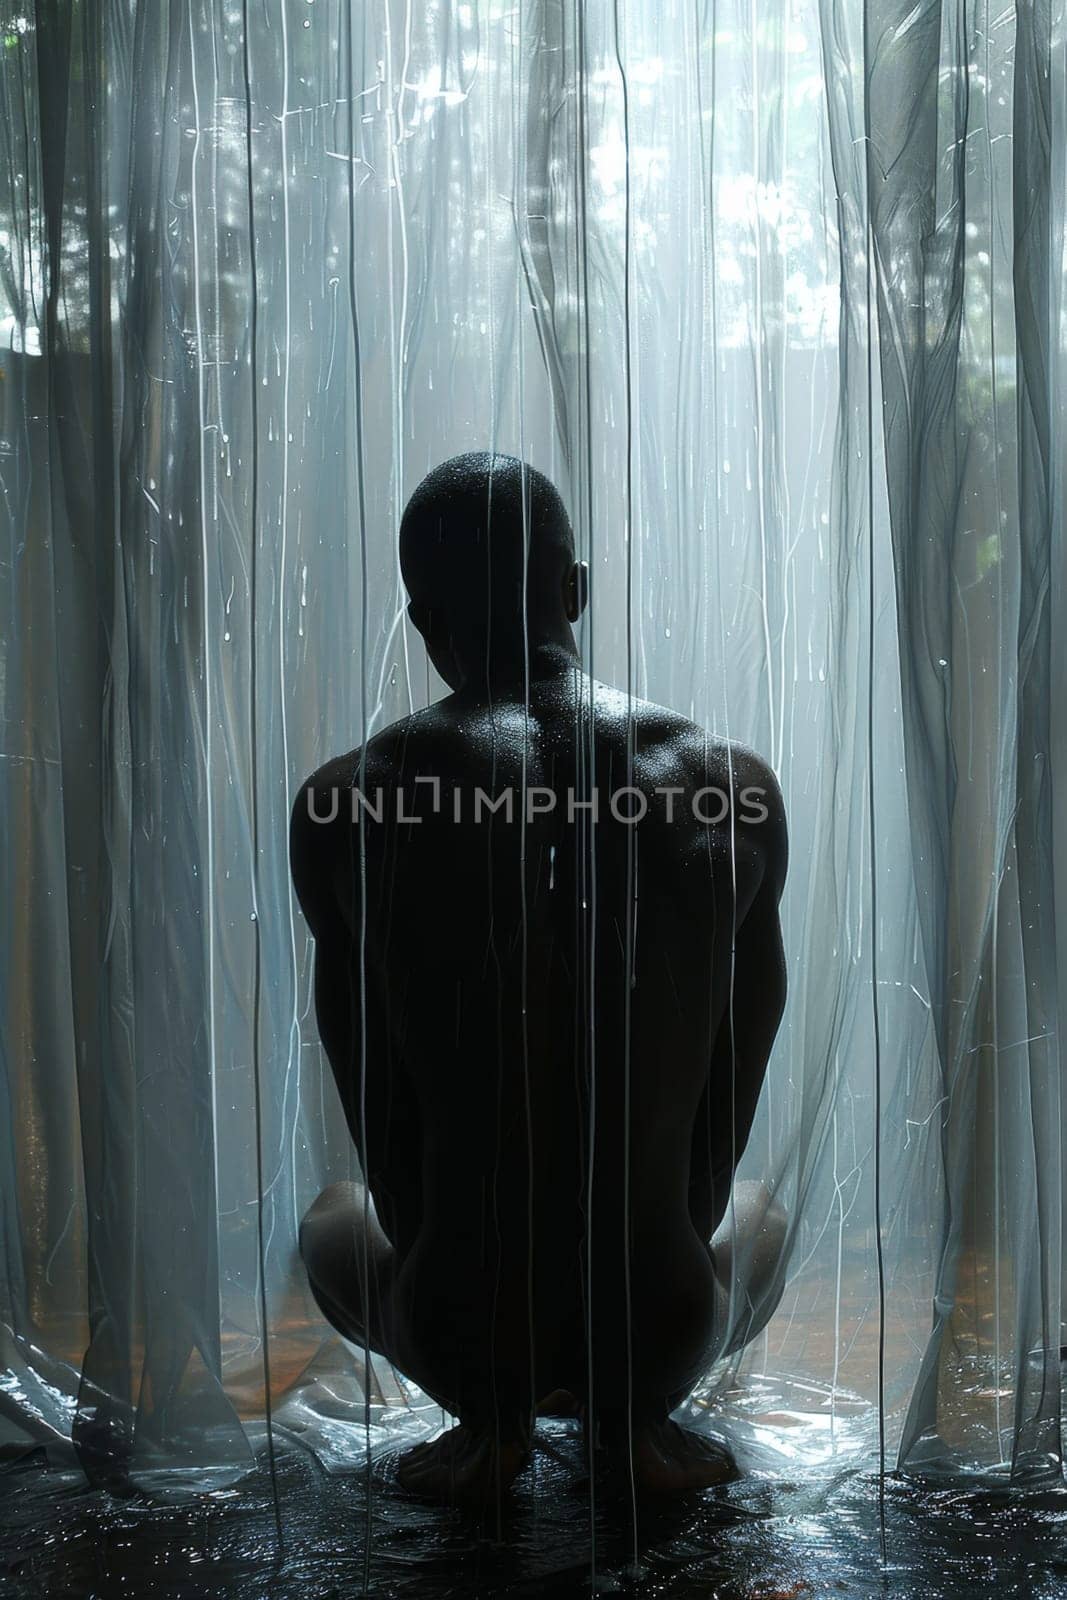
(776, 1220)
(305, 1237)
(774, 1224)
(322, 1225)
(308, 1241)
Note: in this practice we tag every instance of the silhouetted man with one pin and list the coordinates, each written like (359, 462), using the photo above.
(548, 975)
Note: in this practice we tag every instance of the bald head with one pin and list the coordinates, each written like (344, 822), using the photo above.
(487, 556)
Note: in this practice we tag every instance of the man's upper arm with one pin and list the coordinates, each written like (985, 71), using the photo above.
(327, 875)
(312, 853)
(762, 820)
(755, 820)
(326, 879)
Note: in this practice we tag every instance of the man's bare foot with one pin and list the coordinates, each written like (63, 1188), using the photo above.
(560, 1403)
(465, 1466)
(667, 1459)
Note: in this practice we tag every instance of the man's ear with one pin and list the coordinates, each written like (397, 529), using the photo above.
(576, 590)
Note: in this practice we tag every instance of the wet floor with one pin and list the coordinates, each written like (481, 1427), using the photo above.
(819, 1533)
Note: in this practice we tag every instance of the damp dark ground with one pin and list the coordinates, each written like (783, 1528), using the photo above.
(354, 1533)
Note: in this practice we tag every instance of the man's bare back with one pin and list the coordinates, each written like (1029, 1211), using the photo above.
(548, 974)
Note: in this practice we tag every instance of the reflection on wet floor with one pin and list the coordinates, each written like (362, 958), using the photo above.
(352, 1532)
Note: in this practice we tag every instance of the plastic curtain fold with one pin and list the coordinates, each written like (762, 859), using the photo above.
(262, 264)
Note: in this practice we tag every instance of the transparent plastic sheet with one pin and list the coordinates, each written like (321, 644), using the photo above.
(784, 1531)
(292, 258)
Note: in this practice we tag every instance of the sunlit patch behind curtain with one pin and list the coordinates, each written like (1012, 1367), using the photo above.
(800, 269)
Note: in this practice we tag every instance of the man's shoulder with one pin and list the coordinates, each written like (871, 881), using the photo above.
(728, 780)
(729, 764)
(705, 756)
(326, 804)
(384, 754)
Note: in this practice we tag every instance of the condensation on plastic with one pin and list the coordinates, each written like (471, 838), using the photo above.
(264, 264)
